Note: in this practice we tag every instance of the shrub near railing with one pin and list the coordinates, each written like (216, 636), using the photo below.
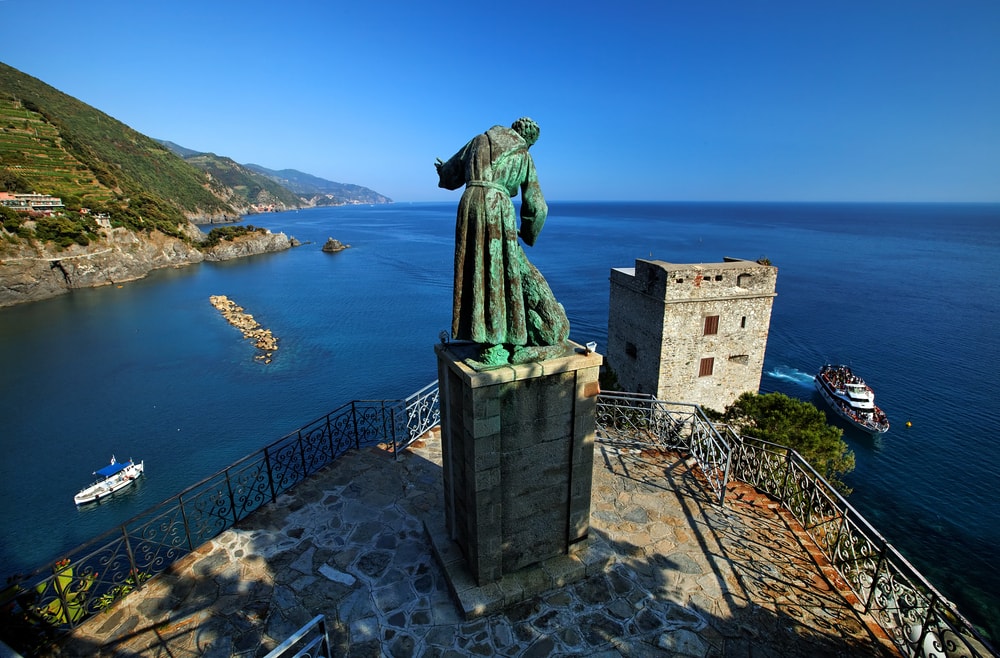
(90, 578)
(917, 618)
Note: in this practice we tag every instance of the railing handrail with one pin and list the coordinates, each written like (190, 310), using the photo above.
(98, 572)
(917, 623)
(689, 429)
(948, 627)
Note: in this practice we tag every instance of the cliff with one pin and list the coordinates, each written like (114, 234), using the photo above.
(29, 272)
(250, 245)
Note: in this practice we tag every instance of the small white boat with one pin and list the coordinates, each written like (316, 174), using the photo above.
(114, 477)
(852, 399)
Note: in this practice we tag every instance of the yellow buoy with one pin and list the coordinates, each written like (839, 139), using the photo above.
(909, 424)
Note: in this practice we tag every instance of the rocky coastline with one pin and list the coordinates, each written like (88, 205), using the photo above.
(235, 315)
(31, 272)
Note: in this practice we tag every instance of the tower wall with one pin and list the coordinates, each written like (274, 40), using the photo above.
(692, 332)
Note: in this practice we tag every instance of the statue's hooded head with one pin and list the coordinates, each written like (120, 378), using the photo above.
(527, 129)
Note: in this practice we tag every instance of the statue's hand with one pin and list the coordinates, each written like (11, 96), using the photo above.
(438, 163)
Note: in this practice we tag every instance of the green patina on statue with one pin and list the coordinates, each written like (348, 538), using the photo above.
(501, 300)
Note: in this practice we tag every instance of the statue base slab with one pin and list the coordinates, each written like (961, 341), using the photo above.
(586, 558)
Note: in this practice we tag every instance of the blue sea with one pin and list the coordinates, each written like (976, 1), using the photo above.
(907, 294)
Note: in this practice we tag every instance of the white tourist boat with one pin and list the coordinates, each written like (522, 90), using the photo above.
(851, 398)
(113, 477)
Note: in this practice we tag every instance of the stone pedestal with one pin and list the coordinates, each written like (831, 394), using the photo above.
(518, 450)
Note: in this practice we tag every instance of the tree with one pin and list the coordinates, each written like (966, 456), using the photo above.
(795, 424)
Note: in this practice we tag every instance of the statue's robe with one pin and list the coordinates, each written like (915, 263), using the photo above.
(499, 296)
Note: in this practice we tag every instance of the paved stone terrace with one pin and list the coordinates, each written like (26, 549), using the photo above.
(683, 576)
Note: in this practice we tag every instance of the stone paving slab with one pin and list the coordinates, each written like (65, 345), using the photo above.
(677, 576)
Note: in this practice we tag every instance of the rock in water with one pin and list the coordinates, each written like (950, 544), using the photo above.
(251, 329)
(333, 246)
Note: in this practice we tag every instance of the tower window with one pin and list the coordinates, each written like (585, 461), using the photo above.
(706, 366)
(743, 322)
(630, 349)
(711, 325)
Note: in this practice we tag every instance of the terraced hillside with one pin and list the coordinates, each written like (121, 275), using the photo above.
(139, 172)
(36, 160)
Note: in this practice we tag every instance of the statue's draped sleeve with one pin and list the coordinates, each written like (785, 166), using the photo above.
(534, 210)
(451, 175)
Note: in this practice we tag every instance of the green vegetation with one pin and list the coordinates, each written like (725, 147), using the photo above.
(230, 233)
(55, 144)
(117, 592)
(31, 618)
(248, 187)
(65, 230)
(795, 424)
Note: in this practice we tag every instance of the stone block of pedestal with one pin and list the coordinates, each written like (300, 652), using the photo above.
(517, 457)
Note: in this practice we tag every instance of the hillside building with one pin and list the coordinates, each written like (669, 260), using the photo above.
(44, 203)
(690, 333)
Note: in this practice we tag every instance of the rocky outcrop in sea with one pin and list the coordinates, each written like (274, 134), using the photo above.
(333, 246)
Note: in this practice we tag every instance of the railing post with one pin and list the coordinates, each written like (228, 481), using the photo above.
(329, 436)
(835, 546)
(270, 474)
(925, 627)
(354, 423)
(392, 426)
(784, 482)
(302, 455)
(184, 520)
(232, 499)
(725, 478)
(63, 600)
(133, 568)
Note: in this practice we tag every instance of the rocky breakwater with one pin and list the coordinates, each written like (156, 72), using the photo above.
(263, 339)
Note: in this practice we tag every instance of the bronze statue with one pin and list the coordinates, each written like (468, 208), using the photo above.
(500, 299)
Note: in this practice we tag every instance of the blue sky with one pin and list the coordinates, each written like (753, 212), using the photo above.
(655, 100)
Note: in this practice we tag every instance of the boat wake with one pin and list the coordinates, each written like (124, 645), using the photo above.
(787, 374)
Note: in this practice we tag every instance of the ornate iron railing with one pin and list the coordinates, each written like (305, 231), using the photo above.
(88, 579)
(423, 411)
(919, 620)
(642, 420)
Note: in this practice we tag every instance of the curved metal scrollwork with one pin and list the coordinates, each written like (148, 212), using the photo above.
(918, 619)
(645, 422)
(61, 595)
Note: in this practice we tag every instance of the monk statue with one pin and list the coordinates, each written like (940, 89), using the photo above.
(501, 300)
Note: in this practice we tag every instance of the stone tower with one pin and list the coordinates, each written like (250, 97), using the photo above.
(690, 333)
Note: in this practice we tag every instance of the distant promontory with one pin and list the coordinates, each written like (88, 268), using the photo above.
(85, 200)
(32, 272)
